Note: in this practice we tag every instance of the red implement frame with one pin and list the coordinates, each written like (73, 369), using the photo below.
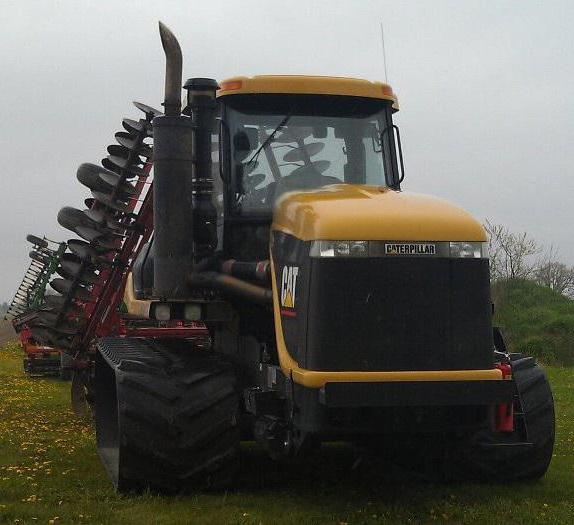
(102, 312)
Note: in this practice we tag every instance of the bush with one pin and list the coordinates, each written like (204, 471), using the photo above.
(541, 347)
(535, 320)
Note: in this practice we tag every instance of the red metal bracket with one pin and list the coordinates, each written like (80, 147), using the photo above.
(504, 412)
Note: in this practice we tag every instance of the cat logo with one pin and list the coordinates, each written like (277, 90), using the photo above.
(289, 286)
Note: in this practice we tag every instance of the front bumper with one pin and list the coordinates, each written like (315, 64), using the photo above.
(343, 409)
(416, 393)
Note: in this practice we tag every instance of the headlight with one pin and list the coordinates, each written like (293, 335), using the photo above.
(192, 311)
(473, 250)
(339, 249)
(162, 311)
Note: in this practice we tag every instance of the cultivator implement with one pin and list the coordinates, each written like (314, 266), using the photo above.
(92, 268)
(45, 256)
(28, 304)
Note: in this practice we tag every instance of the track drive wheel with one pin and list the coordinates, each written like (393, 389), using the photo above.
(525, 453)
(166, 415)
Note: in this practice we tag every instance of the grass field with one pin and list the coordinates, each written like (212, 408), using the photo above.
(50, 473)
(6, 331)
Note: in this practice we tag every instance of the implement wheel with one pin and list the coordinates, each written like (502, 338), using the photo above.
(525, 453)
(65, 371)
(166, 415)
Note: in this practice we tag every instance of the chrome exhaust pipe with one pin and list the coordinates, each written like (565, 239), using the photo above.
(173, 65)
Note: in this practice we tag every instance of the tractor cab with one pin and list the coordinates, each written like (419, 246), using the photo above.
(282, 134)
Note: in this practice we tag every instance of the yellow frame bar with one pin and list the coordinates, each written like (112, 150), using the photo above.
(135, 307)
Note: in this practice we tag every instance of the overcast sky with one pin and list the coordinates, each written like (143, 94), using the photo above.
(485, 87)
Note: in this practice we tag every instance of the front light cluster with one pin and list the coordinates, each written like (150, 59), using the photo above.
(394, 249)
(468, 250)
(339, 249)
(167, 311)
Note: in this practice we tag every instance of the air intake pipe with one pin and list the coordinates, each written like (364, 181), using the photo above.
(172, 187)
(203, 107)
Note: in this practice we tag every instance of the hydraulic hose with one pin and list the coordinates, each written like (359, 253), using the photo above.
(257, 270)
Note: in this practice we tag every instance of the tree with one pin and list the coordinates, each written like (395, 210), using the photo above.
(557, 276)
(510, 253)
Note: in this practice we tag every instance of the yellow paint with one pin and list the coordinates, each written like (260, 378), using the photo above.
(317, 379)
(357, 212)
(307, 85)
(313, 379)
(288, 303)
(135, 307)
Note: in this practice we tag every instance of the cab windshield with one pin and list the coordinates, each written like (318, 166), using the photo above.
(302, 142)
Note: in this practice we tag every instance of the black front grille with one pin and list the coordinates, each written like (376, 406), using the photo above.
(398, 314)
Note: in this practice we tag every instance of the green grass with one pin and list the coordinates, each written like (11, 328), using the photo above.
(50, 472)
(536, 320)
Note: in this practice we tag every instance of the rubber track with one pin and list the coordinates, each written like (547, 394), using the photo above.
(490, 456)
(177, 415)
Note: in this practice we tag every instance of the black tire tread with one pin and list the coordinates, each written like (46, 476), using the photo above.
(478, 459)
(178, 420)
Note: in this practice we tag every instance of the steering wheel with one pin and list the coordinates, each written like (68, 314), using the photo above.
(306, 178)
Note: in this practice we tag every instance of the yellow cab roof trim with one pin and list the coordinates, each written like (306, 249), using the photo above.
(307, 85)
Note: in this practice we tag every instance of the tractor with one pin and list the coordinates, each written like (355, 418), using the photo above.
(273, 281)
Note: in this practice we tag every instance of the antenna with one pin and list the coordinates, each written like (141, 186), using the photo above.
(384, 53)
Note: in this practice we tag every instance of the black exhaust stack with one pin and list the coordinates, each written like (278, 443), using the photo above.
(185, 220)
(173, 183)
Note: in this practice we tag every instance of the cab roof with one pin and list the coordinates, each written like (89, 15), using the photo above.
(307, 85)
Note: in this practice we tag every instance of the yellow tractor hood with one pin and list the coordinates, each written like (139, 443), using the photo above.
(357, 212)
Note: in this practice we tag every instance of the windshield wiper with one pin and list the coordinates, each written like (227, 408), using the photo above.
(255, 156)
